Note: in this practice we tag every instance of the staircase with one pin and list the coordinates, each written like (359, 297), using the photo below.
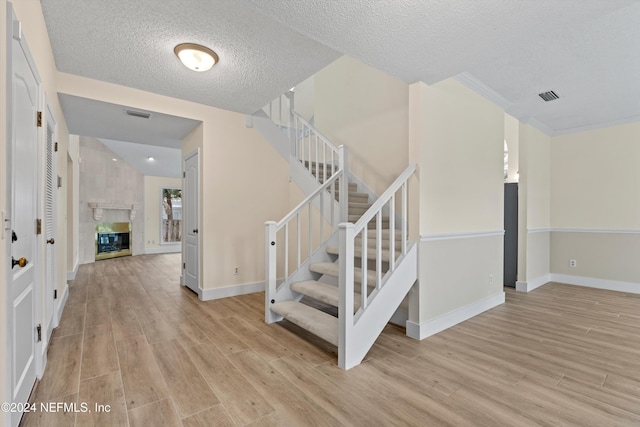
(312, 319)
(337, 249)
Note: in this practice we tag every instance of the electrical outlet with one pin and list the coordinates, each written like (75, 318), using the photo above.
(573, 263)
(236, 270)
(491, 279)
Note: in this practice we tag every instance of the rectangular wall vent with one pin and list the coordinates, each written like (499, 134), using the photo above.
(135, 113)
(548, 96)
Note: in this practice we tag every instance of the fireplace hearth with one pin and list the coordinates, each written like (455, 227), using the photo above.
(113, 239)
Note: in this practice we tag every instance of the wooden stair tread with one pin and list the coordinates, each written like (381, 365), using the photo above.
(324, 292)
(315, 321)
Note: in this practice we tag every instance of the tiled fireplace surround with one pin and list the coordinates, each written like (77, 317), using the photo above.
(104, 180)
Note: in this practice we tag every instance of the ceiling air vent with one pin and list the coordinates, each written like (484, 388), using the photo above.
(140, 114)
(548, 96)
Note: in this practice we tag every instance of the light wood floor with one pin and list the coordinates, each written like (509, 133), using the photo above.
(132, 338)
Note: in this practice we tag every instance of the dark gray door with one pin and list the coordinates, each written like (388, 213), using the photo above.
(510, 233)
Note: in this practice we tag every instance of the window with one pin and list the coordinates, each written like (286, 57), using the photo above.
(171, 215)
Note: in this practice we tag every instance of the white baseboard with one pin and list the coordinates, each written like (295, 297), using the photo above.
(71, 275)
(231, 291)
(591, 282)
(423, 330)
(169, 249)
(60, 307)
(532, 284)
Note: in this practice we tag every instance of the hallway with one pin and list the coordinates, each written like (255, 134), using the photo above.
(133, 339)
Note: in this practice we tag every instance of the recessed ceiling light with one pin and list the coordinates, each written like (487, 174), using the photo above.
(196, 57)
(151, 158)
(114, 159)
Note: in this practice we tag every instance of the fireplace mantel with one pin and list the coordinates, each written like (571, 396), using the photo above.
(99, 207)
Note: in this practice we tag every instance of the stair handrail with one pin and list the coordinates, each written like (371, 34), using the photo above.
(348, 233)
(310, 146)
(326, 190)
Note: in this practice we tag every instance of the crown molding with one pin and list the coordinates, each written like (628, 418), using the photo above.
(473, 83)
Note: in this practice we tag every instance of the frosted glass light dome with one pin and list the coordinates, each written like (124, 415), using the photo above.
(196, 57)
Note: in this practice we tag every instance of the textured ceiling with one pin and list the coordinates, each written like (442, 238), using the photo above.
(88, 117)
(166, 161)
(585, 50)
(131, 43)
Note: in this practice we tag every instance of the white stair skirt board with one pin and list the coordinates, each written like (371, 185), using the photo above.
(592, 282)
(426, 329)
(62, 301)
(167, 249)
(533, 284)
(230, 291)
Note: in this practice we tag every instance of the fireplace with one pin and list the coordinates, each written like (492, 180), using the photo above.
(113, 239)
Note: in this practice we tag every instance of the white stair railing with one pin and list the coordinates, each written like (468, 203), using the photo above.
(289, 244)
(357, 333)
(279, 110)
(313, 150)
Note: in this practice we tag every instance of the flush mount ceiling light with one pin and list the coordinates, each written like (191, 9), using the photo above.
(151, 158)
(196, 57)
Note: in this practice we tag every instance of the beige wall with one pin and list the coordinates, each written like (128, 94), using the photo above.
(72, 187)
(30, 15)
(461, 161)
(457, 139)
(153, 186)
(366, 110)
(596, 179)
(244, 182)
(512, 138)
(534, 208)
(604, 256)
(595, 204)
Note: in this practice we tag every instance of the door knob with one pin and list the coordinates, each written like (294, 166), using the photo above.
(195, 230)
(19, 262)
(51, 241)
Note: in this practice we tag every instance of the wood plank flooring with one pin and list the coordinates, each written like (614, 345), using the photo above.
(132, 338)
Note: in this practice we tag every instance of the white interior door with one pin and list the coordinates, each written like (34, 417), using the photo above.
(22, 288)
(190, 214)
(50, 198)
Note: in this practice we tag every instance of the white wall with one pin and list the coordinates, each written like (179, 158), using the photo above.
(153, 186)
(457, 139)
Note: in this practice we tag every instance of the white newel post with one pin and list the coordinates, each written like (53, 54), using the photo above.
(270, 270)
(344, 184)
(345, 306)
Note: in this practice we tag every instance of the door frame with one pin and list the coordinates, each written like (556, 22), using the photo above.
(14, 32)
(48, 118)
(186, 157)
